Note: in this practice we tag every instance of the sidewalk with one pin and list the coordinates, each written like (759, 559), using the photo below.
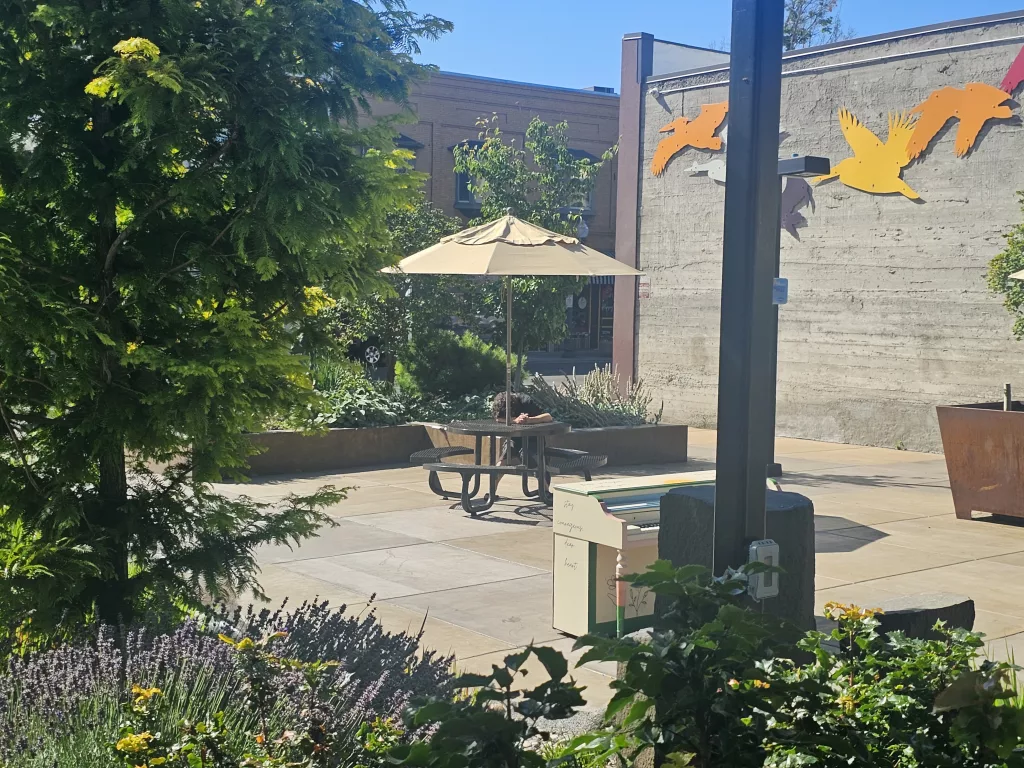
(482, 587)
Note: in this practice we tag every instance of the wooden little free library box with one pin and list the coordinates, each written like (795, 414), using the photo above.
(600, 526)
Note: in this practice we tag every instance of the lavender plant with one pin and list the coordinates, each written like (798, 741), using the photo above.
(64, 708)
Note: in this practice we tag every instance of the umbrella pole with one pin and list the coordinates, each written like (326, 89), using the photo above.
(508, 354)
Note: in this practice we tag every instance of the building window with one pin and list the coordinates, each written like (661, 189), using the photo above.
(465, 200)
(464, 197)
(411, 145)
(584, 206)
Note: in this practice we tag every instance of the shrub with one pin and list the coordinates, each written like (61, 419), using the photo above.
(492, 728)
(717, 686)
(1007, 262)
(444, 363)
(596, 400)
(350, 399)
(890, 701)
(63, 708)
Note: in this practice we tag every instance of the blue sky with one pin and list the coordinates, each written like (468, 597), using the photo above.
(576, 43)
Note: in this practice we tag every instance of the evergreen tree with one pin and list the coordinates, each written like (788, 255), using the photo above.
(175, 178)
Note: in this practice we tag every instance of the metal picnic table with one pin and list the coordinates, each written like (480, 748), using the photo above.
(534, 461)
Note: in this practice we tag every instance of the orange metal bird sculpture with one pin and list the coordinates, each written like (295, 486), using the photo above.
(875, 167)
(973, 105)
(698, 133)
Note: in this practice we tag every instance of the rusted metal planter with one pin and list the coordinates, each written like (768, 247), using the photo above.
(984, 447)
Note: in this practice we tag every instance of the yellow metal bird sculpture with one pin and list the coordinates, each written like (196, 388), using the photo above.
(875, 167)
(699, 133)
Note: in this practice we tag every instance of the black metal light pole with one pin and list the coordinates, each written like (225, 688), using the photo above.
(803, 166)
(748, 267)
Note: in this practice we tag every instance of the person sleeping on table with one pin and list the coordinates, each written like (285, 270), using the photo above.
(523, 410)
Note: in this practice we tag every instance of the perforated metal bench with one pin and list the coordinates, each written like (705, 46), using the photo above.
(566, 461)
(431, 455)
(434, 455)
(571, 462)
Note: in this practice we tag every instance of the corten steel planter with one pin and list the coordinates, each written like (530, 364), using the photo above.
(984, 447)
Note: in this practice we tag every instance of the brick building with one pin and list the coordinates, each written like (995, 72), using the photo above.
(448, 106)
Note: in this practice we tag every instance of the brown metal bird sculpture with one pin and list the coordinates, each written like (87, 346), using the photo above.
(875, 167)
(974, 105)
(698, 133)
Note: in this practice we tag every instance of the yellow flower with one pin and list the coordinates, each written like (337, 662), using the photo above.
(131, 347)
(846, 703)
(134, 742)
(842, 612)
(761, 684)
(144, 694)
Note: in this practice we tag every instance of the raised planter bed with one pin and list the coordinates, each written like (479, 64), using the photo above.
(337, 450)
(984, 447)
(624, 446)
(288, 452)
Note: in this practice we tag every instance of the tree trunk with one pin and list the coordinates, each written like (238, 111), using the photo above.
(113, 590)
(113, 598)
(518, 383)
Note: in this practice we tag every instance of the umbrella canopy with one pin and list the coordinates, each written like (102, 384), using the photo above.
(1017, 275)
(509, 246)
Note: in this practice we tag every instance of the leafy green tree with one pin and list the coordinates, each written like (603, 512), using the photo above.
(813, 22)
(174, 179)
(1006, 263)
(546, 184)
(404, 308)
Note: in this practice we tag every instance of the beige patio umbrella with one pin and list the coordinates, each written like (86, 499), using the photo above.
(510, 247)
(1017, 275)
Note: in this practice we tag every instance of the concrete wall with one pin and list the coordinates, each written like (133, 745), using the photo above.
(889, 313)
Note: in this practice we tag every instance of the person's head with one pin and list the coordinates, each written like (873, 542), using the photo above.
(519, 404)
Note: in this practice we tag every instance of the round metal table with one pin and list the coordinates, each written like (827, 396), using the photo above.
(496, 430)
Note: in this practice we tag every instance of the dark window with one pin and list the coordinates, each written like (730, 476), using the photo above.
(585, 205)
(464, 197)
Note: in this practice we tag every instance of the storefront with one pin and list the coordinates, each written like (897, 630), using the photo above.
(589, 318)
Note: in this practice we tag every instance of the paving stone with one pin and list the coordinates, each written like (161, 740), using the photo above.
(444, 524)
(342, 539)
(529, 546)
(517, 612)
(411, 570)
(441, 636)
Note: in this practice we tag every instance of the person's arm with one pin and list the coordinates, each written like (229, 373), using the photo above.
(541, 418)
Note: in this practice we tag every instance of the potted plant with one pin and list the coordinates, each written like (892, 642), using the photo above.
(984, 442)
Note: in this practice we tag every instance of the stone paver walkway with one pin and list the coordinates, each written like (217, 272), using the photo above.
(481, 588)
